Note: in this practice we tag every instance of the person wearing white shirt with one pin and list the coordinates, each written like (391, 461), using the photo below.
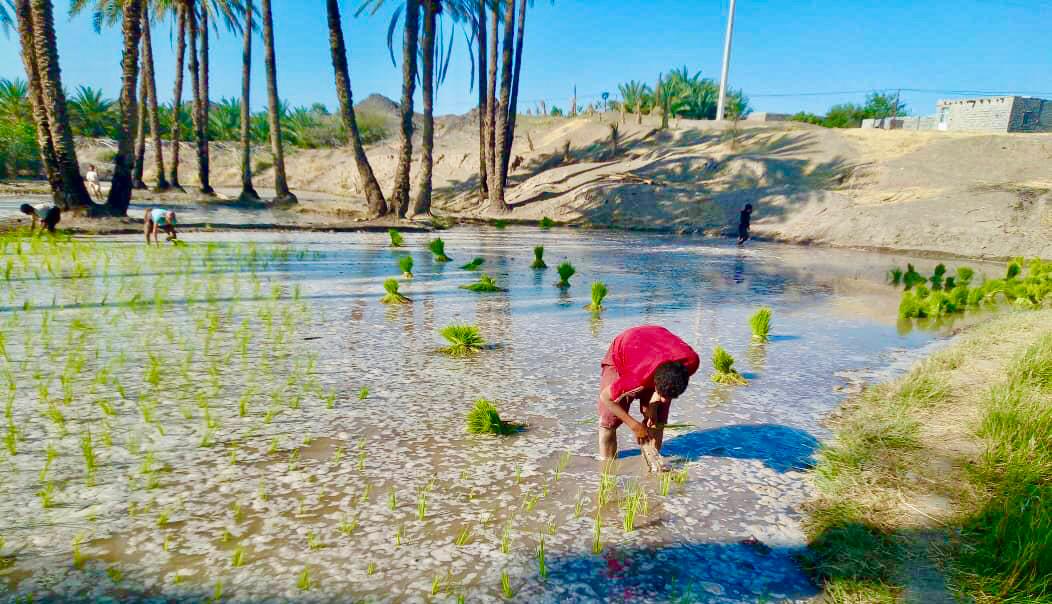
(92, 180)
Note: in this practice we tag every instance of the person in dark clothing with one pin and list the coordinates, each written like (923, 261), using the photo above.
(743, 224)
(45, 214)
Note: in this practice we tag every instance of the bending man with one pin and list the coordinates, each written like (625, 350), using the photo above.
(649, 364)
(46, 214)
(156, 219)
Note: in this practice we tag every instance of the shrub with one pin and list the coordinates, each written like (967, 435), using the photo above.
(546, 223)
(725, 373)
(392, 296)
(406, 264)
(599, 292)
(396, 237)
(484, 419)
(485, 284)
(566, 270)
(538, 257)
(463, 339)
(760, 323)
(438, 249)
(474, 264)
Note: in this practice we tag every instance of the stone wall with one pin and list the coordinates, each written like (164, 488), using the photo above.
(920, 122)
(991, 114)
(1031, 115)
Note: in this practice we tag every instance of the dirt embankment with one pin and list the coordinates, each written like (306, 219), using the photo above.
(965, 194)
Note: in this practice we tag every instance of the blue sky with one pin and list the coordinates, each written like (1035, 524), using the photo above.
(793, 48)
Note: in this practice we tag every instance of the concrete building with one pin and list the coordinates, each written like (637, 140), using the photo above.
(764, 116)
(986, 114)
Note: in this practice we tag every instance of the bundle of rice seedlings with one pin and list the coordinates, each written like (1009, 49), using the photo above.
(396, 237)
(598, 293)
(500, 224)
(406, 264)
(937, 275)
(392, 296)
(566, 270)
(964, 275)
(474, 264)
(484, 419)
(760, 323)
(438, 248)
(939, 304)
(463, 339)
(538, 257)
(725, 373)
(483, 285)
(912, 278)
(546, 223)
(959, 295)
(895, 275)
(951, 282)
(911, 307)
(1014, 268)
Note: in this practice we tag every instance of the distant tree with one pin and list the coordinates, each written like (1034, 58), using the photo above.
(635, 96)
(880, 105)
(556, 112)
(91, 113)
(844, 115)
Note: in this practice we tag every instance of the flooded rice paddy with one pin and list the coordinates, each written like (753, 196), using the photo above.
(246, 422)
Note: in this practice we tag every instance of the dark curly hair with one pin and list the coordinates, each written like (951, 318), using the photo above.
(671, 379)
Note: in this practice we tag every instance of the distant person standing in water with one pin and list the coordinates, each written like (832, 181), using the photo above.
(92, 180)
(744, 223)
(47, 214)
(159, 219)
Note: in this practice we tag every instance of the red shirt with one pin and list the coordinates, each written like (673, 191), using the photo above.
(637, 353)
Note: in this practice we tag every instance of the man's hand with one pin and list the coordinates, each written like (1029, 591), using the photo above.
(641, 431)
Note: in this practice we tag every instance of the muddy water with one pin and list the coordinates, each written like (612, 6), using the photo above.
(387, 498)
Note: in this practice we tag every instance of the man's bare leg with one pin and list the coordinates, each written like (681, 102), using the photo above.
(607, 443)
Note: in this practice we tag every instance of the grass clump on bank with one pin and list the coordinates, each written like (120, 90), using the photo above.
(406, 264)
(485, 284)
(463, 339)
(723, 364)
(538, 257)
(485, 419)
(546, 223)
(393, 296)
(599, 292)
(566, 270)
(760, 324)
(438, 250)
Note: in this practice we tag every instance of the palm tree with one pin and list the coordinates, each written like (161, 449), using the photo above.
(151, 98)
(179, 8)
(633, 97)
(248, 192)
(224, 121)
(502, 144)
(198, 112)
(282, 195)
(373, 194)
(400, 194)
(121, 184)
(37, 31)
(140, 137)
(45, 142)
(480, 29)
(6, 8)
(520, 33)
(422, 204)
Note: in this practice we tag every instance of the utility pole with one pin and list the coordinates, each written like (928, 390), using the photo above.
(721, 105)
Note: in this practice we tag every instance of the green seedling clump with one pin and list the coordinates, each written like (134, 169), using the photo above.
(485, 284)
(500, 224)
(405, 263)
(895, 275)
(474, 264)
(546, 223)
(363, 393)
(438, 250)
(392, 296)
(566, 270)
(484, 419)
(936, 279)
(538, 257)
(463, 340)
(964, 275)
(599, 292)
(912, 278)
(396, 237)
(760, 323)
(725, 373)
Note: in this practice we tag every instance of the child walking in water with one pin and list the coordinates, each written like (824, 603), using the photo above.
(158, 218)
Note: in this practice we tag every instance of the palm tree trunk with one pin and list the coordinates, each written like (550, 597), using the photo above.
(195, 87)
(282, 195)
(29, 60)
(140, 137)
(491, 96)
(151, 90)
(400, 195)
(483, 111)
(513, 108)
(496, 191)
(74, 193)
(177, 96)
(427, 144)
(121, 185)
(248, 192)
(374, 196)
(203, 157)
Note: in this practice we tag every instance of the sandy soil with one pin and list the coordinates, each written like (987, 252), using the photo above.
(977, 195)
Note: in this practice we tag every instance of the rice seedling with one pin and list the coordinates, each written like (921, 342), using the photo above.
(631, 505)
(505, 585)
(1015, 267)
(723, 363)
(578, 506)
(505, 540)
(564, 461)
(392, 296)
(399, 535)
(566, 270)
(484, 419)
(421, 504)
(436, 584)
(361, 465)
(78, 557)
(346, 527)
(115, 574)
(680, 476)
(303, 582)
(237, 560)
(392, 500)
(474, 264)
(396, 237)
(11, 439)
(46, 495)
(238, 512)
(485, 284)
(760, 323)
(438, 250)
(538, 258)
(665, 483)
(363, 393)
(597, 534)
(314, 543)
(546, 223)
(598, 293)
(370, 569)
(912, 278)
(529, 502)
(405, 264)
(542, 568)
(463, 537)
(895, 275)
(88, 451)
(463, 339)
